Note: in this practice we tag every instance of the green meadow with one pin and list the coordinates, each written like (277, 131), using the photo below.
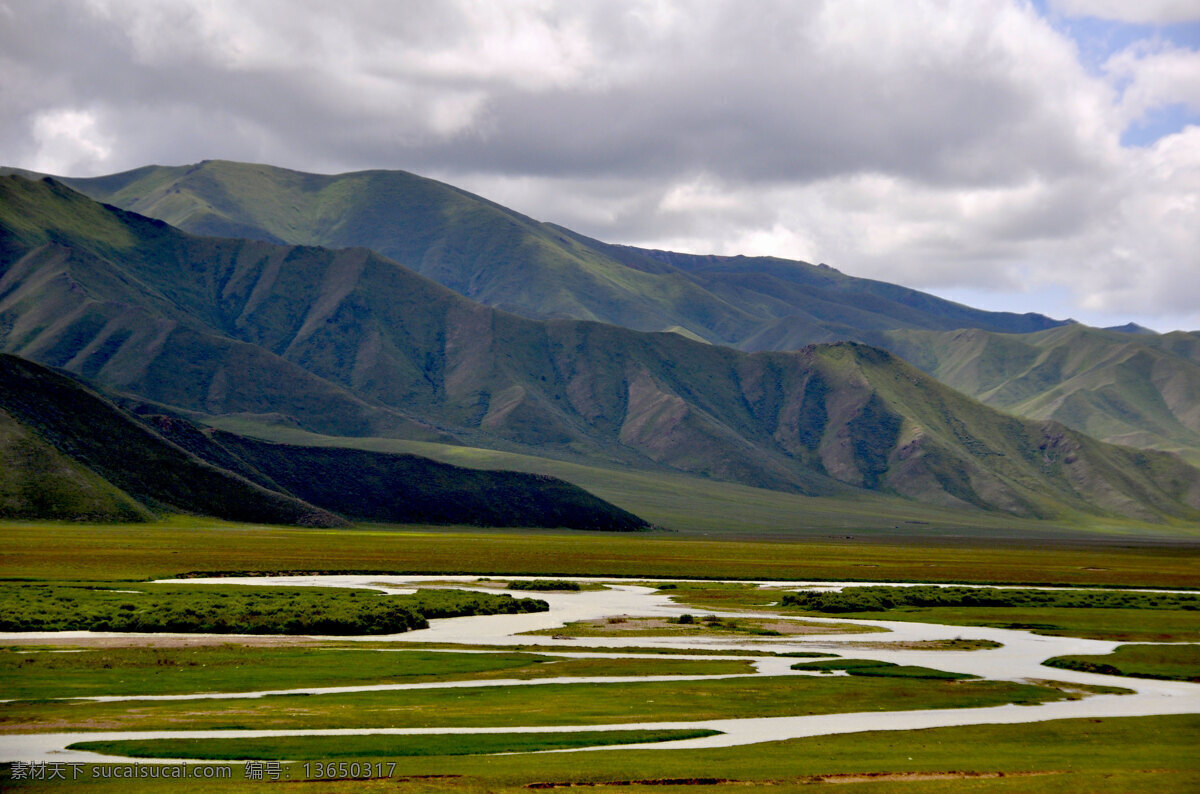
(1173, 662)
(41, 551)
(876, 669)
(1137, 754)
(39, 673)
(1143, 754)
(688, 626)
(542, 704)
(291, 748)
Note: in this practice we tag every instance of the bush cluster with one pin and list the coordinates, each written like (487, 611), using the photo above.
(545, 584)
(881, 599)
(240, 610)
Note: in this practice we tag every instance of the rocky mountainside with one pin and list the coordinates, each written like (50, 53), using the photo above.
(1125, 386)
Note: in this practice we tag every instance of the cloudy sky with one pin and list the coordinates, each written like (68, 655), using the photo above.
(1015, 155)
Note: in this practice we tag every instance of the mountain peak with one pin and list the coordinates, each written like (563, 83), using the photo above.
(1131, 328)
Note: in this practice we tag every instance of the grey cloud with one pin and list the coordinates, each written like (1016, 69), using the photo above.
(729, 95)
(931, 143)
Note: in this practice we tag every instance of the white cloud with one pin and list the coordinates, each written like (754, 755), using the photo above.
(1154, 77)
(68, 141)
(943, 144)
(1155, 12)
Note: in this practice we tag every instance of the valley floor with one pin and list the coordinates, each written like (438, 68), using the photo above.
(708, 691)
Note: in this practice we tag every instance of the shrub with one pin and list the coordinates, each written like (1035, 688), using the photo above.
(243, 610)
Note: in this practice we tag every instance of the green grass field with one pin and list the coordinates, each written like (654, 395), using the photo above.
(50, 551)
(544, 704)
(1173, 662)
(876, 669)
(73, 672)
(1112, 755)
(292, 748)
(1168, 625)
(1139, 754)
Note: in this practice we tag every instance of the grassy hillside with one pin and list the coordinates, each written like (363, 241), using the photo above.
(218, 327)
(79, 457)
(504, 259)
(475, 247)
(38, 481)
(1138, 389)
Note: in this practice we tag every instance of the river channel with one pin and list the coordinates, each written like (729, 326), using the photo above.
(1018, 658)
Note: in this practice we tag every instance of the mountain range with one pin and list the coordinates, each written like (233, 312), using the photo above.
(1138, 389)
(348, 342)
(504, 259)
(509, 261)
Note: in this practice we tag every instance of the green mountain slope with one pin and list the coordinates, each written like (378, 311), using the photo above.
(1139, 389)
(823, 420)
(123, 468)
(38, 481)
(509, 261)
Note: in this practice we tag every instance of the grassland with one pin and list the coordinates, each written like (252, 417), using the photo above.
(292, 748)
(550, 585)
(1122, 625)
(1142, 754)
(1172, 662)
(654, 651)
(78, 672)
(875, 669)
(49, 551)
(1151, 754)
(923, 645)
(1110, 615)
(544, 704)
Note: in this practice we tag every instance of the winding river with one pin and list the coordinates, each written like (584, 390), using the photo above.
(1020, 657)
